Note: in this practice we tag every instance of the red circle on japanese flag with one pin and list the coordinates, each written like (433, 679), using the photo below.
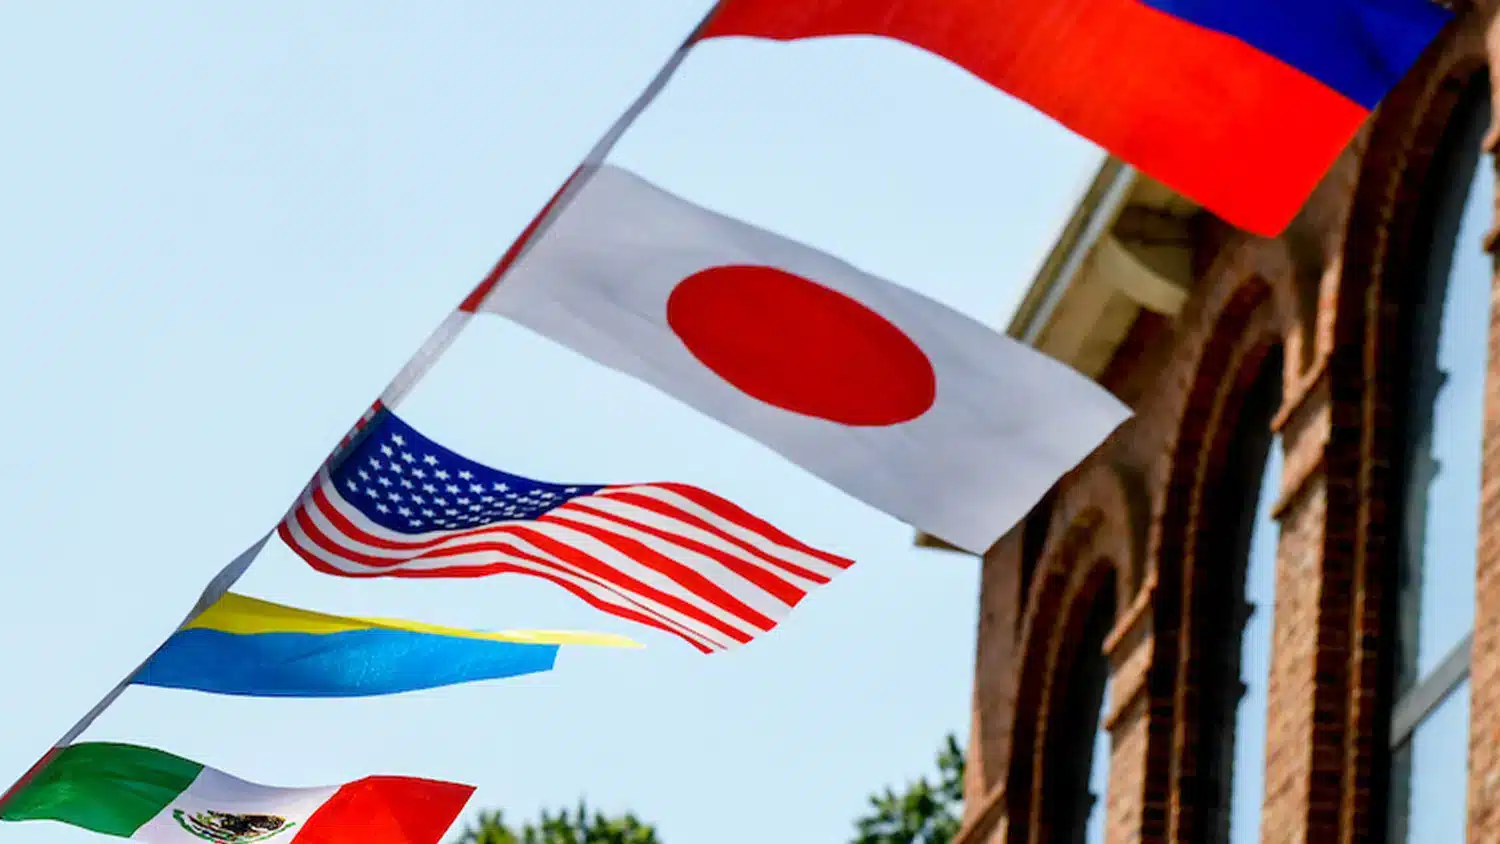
(800, 346)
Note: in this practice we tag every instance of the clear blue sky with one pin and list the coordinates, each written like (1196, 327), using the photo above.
(223, 227)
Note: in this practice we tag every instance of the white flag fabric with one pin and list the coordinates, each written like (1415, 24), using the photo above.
(900, 401)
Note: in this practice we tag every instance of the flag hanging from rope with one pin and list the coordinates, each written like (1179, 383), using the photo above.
(1241, 105)
(902, 402)
(666, 555)
(149, 795)
(246, 646)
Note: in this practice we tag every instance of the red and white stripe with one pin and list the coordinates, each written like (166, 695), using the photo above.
(670, 556)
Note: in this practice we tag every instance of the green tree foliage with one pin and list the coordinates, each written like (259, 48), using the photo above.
(580, 827)
(925, 813)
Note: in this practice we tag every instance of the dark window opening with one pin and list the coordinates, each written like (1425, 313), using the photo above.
(1233, 621)
(1034, 538)
(1073, 733)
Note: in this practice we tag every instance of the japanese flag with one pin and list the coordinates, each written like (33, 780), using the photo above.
(902, 402)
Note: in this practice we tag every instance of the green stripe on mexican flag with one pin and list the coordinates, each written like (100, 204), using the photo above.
(152, 796)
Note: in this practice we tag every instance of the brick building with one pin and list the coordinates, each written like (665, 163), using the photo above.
(1269, 608)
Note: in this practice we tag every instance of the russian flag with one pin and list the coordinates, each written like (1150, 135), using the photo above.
(1240, 105)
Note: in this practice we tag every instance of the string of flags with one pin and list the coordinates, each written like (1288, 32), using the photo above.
(899, 401)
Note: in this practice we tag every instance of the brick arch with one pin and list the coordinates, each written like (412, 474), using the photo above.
(1077, 565)
(1247, 311)
(1082, 588)
(1287, 279)
(1110, 497)
(1109, 520)
(1213, 327)
(1364, 359)
(1395, 158)
(1189, 534)
(1094, 537)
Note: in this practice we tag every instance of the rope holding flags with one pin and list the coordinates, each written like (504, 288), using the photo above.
(407, 378)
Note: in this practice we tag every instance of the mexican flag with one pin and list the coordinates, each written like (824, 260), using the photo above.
(152, 796)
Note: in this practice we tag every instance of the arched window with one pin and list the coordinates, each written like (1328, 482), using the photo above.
(1077, 761)
(1441, 423)
(1234, 620)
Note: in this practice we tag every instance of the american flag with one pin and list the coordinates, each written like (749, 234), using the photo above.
(395, 504)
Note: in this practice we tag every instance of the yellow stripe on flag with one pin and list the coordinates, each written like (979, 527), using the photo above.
(245, 616)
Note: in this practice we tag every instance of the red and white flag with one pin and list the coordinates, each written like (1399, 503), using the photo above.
(902, 402)
(394, 503)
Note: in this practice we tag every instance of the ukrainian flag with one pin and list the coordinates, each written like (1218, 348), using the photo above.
(245, 646)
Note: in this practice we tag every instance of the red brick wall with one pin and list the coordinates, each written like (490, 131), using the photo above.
(1328, 293)
(1484, 678)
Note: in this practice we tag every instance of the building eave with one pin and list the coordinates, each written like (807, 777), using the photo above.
(1126, 248)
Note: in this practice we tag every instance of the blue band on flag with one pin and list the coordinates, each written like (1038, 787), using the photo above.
(353, 663)
(1360, 48)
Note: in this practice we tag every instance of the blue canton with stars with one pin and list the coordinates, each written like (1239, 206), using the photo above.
(407, 483)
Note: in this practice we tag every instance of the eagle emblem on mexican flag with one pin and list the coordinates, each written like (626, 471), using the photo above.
(231, 828)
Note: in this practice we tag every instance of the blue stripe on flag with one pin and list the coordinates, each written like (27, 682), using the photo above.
(353, 663)
(1360, 48)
